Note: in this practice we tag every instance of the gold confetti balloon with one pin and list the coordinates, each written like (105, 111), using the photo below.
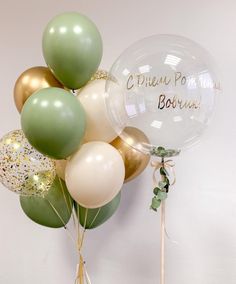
(23, 169)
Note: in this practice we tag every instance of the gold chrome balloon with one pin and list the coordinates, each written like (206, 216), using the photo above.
(22, 169)
(135, 161)
(32, 80)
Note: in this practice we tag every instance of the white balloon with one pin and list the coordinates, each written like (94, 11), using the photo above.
(92, 97)
(95, 174)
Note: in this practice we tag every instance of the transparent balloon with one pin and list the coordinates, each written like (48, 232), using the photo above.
(166, 86)
(24, 170)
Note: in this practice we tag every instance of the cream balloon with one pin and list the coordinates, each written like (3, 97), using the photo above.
(95, 174)
(92, 97)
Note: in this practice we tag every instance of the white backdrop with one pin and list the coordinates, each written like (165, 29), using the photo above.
(201, 207)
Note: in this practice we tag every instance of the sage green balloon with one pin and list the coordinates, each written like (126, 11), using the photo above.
(54, 210)
(72, 49)
(98, 216)
(53, 121)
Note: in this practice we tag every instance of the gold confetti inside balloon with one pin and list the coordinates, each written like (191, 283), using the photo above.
(100, 74)
(23, 169)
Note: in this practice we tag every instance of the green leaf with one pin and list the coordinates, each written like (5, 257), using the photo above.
(154, 209)
(163, 172)
(155, 202)
(172, 152)
(162, 184)
(162, 195)
(166, 180)
(162, 152)
(156, 190)
(160, 148)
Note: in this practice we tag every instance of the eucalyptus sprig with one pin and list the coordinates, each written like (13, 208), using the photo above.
(164, 153)
(161, 191)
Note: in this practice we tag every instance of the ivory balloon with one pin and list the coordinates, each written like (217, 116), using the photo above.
(32, 80)
(135, 161)
(98, 126)
(95, 174)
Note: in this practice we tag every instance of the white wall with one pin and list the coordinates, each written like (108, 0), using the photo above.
(201, 207)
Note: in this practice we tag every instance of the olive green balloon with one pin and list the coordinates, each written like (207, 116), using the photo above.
(98, 216)
(72, 49)
(40, 209)
(53, 121)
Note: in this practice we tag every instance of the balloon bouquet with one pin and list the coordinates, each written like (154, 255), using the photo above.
(67, 160)
(86, 132)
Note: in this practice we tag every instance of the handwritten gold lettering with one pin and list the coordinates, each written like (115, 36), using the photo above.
(161, 102)
(141, 79)
(176, 79)
(130, 80)
(178, 76)
(174, 102)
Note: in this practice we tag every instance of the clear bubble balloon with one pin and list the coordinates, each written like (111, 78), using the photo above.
(22, 169)
(166, 86)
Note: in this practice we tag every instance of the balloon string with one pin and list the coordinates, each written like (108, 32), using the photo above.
(162, 247)
(81, 270)
(157, 166)
(95, 218)
(82, 274)
(75, 222)
(63, 222)
(81, 240)
(69, 206)
(162, 274)
(87, 277)
(74, 219)
(56, 212)
(169, 238)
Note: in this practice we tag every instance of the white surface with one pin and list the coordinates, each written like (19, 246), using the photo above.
(201, 207)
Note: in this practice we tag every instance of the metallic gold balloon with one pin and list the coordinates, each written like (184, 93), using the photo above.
(31, 81)
(135, 161)
(22, 169)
